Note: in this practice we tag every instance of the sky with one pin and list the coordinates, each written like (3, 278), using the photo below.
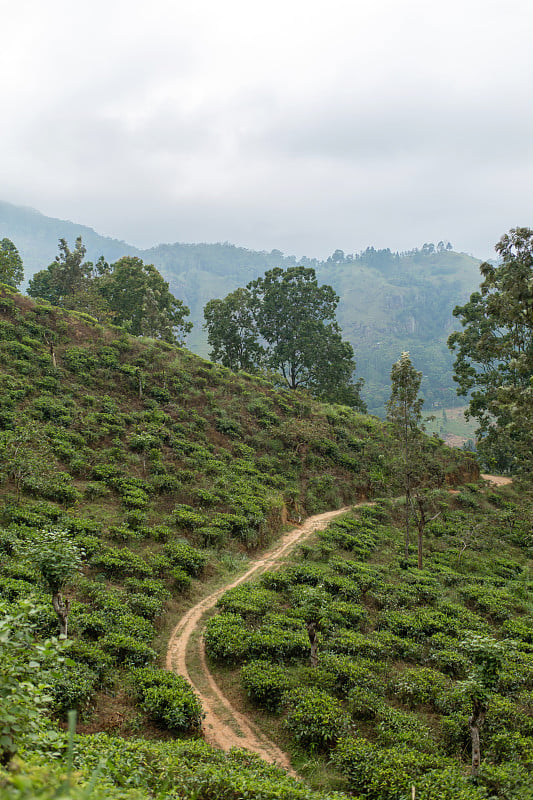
(300, 125)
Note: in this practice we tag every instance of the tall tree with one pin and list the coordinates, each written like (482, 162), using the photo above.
(11, 269)
(139, 299)
(404, 412)
(495, 355)
(232, 332)
(486, 655)
(67, 275)
(285, 322)
(58, 559)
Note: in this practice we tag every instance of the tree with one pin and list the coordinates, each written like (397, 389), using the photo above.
(232, 333)
(486, 655)
(68, 275)
(139, 299)
(404, 412)
(286, 323)
(11, 268)
(58, 559)
(495, 355)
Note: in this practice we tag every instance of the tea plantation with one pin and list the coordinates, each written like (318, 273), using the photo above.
(134, 478)
(387, 706)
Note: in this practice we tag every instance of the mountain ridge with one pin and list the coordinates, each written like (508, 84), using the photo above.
(389, 302)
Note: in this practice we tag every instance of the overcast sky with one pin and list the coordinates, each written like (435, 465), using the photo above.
(301, 125)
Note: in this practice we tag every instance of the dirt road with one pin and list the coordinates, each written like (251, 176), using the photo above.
(224, 726)
(497, 480)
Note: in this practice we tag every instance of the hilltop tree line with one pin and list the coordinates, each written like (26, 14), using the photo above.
(285, 323)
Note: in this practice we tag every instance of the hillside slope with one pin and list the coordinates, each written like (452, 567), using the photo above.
(166, 472)
(388, 302)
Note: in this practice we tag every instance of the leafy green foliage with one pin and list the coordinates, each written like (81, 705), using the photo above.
(265, 683)
(168, 698)
(11, 269)
(494, 354)
(315, 719)
(57, 557)
(285, 322)
(24, 699)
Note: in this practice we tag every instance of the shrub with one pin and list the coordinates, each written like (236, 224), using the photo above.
(146, 606)
(417, 686)
(341, 674)
(278, 643)
(419, 624)
(92, 655)
(378, 772)
(397, 728)
(116, 561)
(364, 704)
(226, 638)
(125, 649)
(344, 613)
(180, 579)
(315, 718)
(150, 586)
(186, 517)
(251, 602)
(73, 687)
(168, 698)
(181, 554)
(265, 683)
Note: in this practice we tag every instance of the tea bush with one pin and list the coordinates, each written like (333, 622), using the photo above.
(181, 554)
(73, 687)
(251, 602)
(227, 639)
(168, 698)
(265, 683)
(420, 686)
(387, 773)
(126, 649)
(315, 718)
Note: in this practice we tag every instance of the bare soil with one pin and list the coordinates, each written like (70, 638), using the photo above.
(497, 480)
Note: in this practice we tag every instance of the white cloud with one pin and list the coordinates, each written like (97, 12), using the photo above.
(300, 125)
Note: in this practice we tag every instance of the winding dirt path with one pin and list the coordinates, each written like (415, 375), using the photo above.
(224, 726)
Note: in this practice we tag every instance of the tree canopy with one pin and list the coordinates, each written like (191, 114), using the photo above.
(139, 299)
(494, 352)
(11, 269)
(285, 322)
(128, 292)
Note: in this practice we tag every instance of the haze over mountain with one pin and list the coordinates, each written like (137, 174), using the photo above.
(389, 301)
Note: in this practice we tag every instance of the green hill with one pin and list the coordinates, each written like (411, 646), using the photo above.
(388, 302)
(162, 473)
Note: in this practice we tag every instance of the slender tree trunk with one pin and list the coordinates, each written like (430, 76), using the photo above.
(407, 506)
(313, 642)
(61, 607)
(407, 481)
(474, 723)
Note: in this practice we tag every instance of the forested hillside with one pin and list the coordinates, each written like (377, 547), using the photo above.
(389, 302)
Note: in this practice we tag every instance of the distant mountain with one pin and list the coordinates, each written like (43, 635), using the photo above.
(36, 237)
(389, 301)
